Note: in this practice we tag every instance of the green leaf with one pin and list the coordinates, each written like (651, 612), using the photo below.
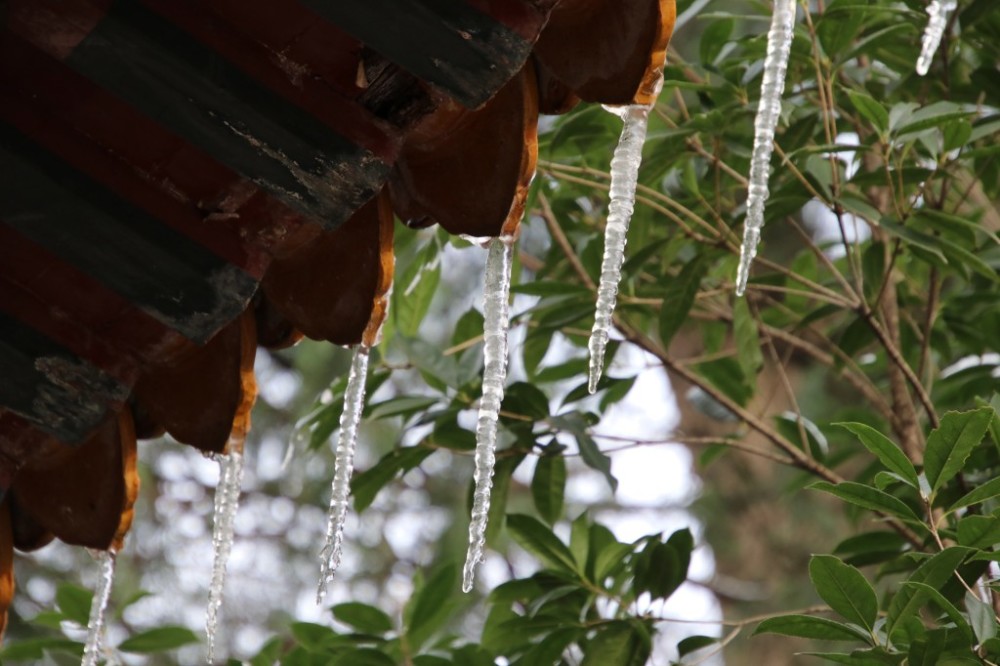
(160, 639)
(35, 648)
(620, 643)
(74, 602)
(885, 450)
(694, 643)
(429, 608)
(538, 540)
(365, 486)
(312, 636)
(747, 339)
(988, 490)
(927, 593)
(949, 446)
(810, 626)
(868, 498)
(727, 376)
(982, 618)
(679, 298)
(366, 619)
(979, 531)
(361, 657)
(935, 572)
(590, 452)
(415, 290)
(933, 115)
(548, 486)
(844, 589)
(874, 112)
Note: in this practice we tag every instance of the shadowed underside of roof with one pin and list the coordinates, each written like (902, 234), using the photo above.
(183, 180)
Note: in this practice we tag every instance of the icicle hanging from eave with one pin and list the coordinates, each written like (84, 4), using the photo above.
(938, 12)
(98, 608)
(779, 44)
(496, 318)
(350, 420)
(624, 179)
(227, 501)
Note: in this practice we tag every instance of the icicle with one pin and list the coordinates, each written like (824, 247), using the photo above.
(227, 500)
(496, 323)
(98, 607)
(350, 419)
(779, 44)
(624, 178)
(938, 11)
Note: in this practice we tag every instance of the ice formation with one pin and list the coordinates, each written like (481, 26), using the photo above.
(938, 11)
(496, 323)
(350, 419)
(95, 627)
(227, 501)
(779, 44)
(624, 178)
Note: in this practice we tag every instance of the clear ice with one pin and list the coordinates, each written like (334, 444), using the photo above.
(779, 44)
(227, 501)
(350, 419)
(938, 11)
(496, 323)
(95, 627)
(624, 178)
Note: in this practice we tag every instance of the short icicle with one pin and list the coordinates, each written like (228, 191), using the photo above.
(938, 11)
(227, 501)
(98, 607)
(624, 179)
(779, 44)
(350, 419)
(496, 323)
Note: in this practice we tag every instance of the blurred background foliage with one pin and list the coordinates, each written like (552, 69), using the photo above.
(875, 300)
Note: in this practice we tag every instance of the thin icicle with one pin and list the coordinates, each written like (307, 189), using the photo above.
(95, 627)
(227, 501)
(938, 11)
(350, 419)
(624, 178)
(496, 322)
(779, 44)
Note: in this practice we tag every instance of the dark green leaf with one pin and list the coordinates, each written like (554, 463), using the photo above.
(538, 540)
(868, 498)
(619, 643)
(679, 298)
(361, 657)
(747, 339)
(160, 639)
(935, 572)
(548, 486)
(366, 619)
(74, 602)
(988, 490)
(365, 486)
(949, 446)
(810, 626)
(885, 450)
(844, 589)
(979, 531)
(694, 643)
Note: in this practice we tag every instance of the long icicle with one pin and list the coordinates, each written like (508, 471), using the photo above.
(227, 501)
(496, 323)
(98, 607)
(624, 178)
(350, 419)
(779, 44)
(938, 12)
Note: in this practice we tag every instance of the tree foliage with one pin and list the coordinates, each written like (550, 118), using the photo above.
(873, 315)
